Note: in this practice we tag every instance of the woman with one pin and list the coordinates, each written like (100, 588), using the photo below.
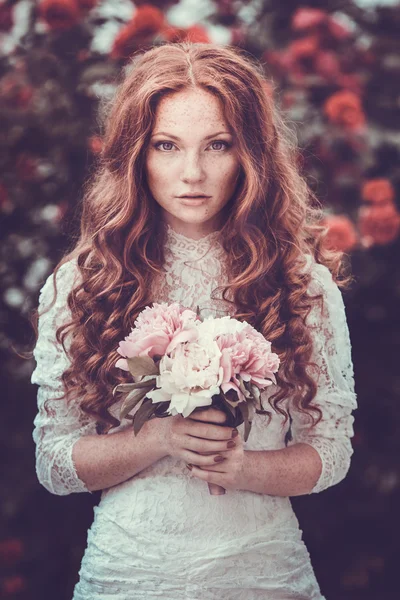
(197, 199)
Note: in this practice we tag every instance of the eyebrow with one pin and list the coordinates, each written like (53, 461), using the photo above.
(179, 139)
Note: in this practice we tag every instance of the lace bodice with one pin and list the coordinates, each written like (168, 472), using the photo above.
(192, 270)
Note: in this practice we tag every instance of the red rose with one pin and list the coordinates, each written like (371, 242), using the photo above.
(378, 224)
(148, 19)
(344, 108)
(378, 191)
(197, 34)
(146, 22)
(304, 18)
(60, 14)
(341, 233)
(304, 47)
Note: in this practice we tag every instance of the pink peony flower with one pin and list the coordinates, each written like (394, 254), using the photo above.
(262, 363)
(198, 358)
(248, 354)
(234, 353)
(157, 331)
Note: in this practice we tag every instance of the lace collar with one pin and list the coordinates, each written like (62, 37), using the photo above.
(187, 248)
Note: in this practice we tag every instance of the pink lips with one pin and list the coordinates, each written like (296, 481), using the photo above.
(193, 200)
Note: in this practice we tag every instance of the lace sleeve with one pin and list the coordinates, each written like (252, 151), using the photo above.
(59, 427)
(335, 397)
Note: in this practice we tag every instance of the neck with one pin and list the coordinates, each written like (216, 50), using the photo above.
(192, 230)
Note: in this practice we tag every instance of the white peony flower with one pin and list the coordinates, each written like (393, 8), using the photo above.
(190, 377)
(211, 327)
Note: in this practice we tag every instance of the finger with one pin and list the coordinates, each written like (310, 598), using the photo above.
(210, 431)
(212, 415)
(218, 468)
(209, 476)
(205, 446)
(202, 460)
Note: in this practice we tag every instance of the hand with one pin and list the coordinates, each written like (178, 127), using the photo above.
(229, 472)
(194, 441)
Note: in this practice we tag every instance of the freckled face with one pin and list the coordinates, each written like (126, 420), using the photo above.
(191, 150)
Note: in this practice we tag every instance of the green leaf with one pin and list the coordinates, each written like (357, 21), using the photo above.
(242, 387)
(247, 385)
(132, 399)
(244, 409)
(140, 366)
(123, 388)
(229, 405)
(149, 383)
(257, 396)
(143, 414)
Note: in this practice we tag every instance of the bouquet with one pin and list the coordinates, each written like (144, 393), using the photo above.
(181, 362)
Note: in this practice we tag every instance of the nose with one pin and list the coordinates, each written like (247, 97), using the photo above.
(192, 169)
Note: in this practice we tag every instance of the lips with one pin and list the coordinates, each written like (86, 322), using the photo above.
(193, 200)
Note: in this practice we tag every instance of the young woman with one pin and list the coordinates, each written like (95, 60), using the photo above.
(197, 199)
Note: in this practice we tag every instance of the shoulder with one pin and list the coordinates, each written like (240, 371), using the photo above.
(322, 284)
(321, 279)
(58, 284)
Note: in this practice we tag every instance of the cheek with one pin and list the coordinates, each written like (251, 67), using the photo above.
(228, 174)
(157, 172)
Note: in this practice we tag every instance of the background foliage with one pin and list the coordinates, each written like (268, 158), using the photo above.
(334, 70)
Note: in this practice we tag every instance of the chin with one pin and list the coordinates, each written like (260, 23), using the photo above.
(195, 214)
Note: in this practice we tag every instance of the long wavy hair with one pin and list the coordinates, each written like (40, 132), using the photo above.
(271, 224)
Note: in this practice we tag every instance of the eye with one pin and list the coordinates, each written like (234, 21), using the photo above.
(159, 144)
(225, 145)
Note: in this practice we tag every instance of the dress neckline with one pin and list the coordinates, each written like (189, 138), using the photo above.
(184, 247)
(209, 237)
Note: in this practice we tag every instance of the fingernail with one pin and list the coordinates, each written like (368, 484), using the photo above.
(190, 467)
(231, 444)
(219, 458)
(235, 433)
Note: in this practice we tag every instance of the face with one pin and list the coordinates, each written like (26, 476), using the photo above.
(191, 151)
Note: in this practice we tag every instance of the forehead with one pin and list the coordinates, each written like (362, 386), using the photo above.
(196, 108)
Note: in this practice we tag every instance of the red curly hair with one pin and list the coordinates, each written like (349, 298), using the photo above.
(271, 225)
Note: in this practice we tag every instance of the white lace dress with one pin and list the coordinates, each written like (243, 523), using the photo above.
(161, 534)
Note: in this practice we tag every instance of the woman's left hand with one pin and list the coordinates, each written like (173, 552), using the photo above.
(229, 472)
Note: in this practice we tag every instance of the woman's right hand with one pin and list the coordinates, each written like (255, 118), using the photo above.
(194, 441)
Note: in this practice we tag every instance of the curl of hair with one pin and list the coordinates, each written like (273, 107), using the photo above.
(271, 224)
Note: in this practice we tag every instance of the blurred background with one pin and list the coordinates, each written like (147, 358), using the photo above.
(334, 67)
